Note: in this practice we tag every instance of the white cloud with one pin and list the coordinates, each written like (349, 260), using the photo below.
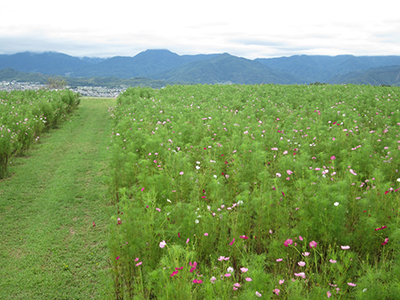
(251, 29)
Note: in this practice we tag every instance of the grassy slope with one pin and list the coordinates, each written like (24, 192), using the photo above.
(47, 208)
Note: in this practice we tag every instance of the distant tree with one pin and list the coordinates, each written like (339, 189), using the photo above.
(317, 83)
(56, 83)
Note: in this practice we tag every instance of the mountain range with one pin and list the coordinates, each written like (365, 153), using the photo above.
(166, 66)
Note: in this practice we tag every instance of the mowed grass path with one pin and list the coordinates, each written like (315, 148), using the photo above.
(49, 248)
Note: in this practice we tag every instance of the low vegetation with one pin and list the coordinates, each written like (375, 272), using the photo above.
(54, 212)
(25, 115)
(202, 192)
(225, 192)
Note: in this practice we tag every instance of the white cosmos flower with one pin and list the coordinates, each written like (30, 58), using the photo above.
(336, 203)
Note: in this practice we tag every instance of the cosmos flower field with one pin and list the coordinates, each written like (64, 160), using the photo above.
(248, 191)
(24, 115)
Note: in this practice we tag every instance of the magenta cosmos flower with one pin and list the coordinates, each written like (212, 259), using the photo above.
(288, 242)
(197, 281)
(313, 244)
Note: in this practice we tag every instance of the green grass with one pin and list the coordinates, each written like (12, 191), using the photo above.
(49, 248)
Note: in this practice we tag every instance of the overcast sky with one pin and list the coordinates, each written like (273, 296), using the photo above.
(248, 29)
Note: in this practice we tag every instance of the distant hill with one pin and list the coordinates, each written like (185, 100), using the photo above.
(161, 64)
(225, 68)
(51, 63)
(388, 75)
(322, 68)
(144, 64)
(12, 75)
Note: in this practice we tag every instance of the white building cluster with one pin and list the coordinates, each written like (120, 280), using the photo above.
(89, 91)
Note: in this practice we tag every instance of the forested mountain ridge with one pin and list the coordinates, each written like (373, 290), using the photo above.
(212, 68)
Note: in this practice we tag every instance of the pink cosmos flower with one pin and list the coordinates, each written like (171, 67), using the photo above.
(306, 253)
(258, 294)
(301, 263)
(289, 172)
(300, 238)
(243, 237)
(137, 258)
(333, 157)
(281, 281)
(138, 264)
(244, 270)
(278, 175)
(117, 258)
(313, 244)
(301, 274)
(332, 261)
(345, 247)
(248, 279)
(276, 291)
(142, 189)
(352, 172)
(206, 234)
(329, 294)
(237, 284)
(227, 275)
(174, 273)
(187, 241)
(181, 173)
(288, 242)
(386, 241)
(163, 244)
(279, 259)
(351, 284)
